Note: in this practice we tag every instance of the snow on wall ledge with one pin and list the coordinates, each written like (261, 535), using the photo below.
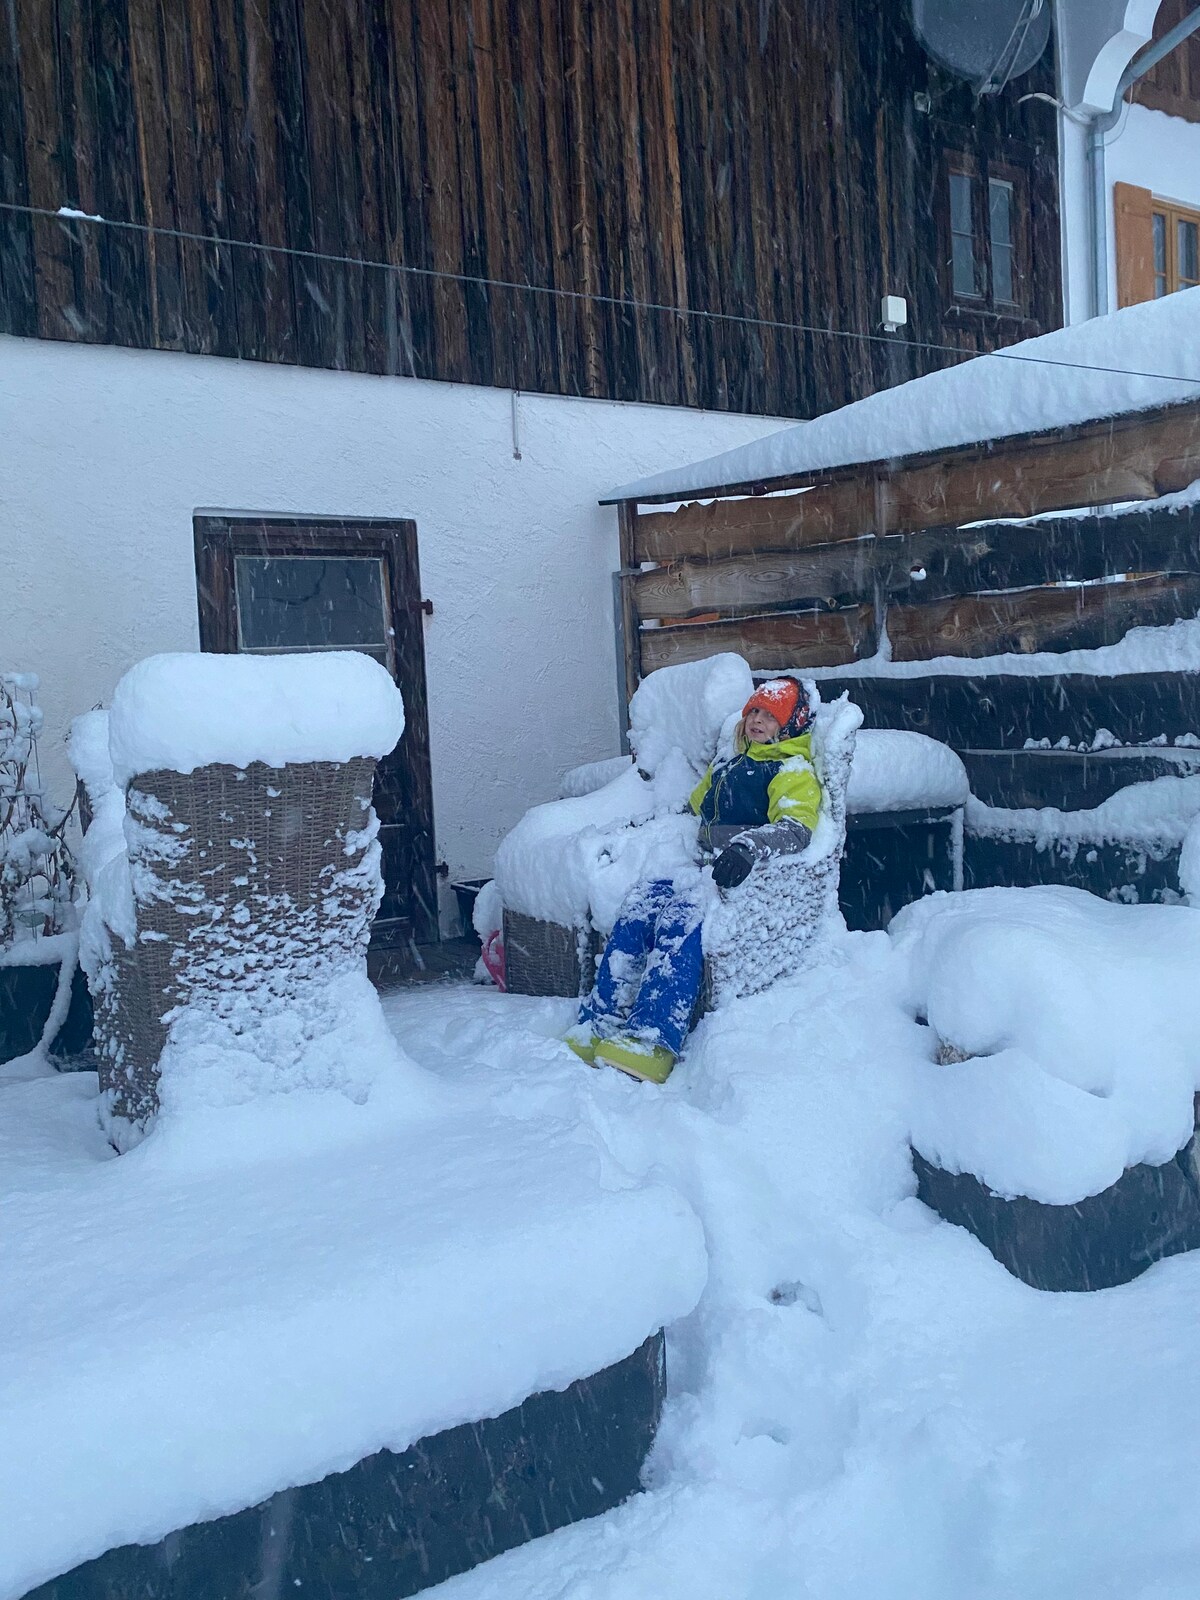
(1095, 369)
(179, 712)
(1174, 648)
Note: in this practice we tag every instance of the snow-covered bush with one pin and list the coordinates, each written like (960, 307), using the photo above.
(36, 868)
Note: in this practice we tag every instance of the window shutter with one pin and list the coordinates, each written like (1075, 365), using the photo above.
(1134, 230)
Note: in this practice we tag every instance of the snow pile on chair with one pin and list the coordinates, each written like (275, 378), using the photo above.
(1075, 1024)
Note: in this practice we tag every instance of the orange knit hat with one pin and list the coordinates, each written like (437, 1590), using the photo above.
(779, 698)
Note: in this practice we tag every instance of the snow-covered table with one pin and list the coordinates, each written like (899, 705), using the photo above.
(253, 1300)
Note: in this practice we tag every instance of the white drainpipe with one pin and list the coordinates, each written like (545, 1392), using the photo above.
(1099, 127)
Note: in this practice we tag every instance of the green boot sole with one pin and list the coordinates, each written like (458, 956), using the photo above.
(585, 1049)
(652, 1066)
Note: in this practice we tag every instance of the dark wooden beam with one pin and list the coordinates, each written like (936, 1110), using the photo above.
(627, 641)
(1027, 620)
(925, 566)
(1071, 780)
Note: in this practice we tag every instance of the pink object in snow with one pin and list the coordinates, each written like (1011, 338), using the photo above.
(493, 958)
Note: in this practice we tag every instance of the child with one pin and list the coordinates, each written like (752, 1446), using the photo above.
(638, 1014)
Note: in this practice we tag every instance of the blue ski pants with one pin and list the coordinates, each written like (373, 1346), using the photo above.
(650, 973)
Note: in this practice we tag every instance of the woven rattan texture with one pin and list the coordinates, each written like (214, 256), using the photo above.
(546, 958)
(239, 881)
(766, 929)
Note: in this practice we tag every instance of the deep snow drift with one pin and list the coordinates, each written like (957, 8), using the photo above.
(261, 1295)
(863, 1403)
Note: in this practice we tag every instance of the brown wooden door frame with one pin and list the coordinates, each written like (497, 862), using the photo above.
(404, 785)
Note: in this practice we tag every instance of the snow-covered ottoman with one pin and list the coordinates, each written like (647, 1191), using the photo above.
(1057, 1118)
(904, 836)
(238, 867)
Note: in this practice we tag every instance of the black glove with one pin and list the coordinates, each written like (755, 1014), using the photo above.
(732, 866)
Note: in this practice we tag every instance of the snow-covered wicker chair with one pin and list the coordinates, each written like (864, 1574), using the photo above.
(233, 872)
(764, 929)
(245, 889)
(768, 926)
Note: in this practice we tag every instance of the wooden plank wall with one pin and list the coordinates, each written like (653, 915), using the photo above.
(763, 157)
(813, 578)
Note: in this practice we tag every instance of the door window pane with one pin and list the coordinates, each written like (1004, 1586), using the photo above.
(964, 267)
(311, 603)
(1000, 226)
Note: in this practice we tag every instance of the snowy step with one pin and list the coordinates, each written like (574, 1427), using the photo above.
(1071, 780)
(1150, 1213)
(221, 1315)
(399, 1523)
(1003, 711)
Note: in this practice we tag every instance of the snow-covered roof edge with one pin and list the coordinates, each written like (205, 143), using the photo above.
(1136, 359)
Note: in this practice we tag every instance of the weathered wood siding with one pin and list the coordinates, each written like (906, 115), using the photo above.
(814, 578)
(760, 158)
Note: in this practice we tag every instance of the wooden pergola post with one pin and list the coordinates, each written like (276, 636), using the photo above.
(625, 615)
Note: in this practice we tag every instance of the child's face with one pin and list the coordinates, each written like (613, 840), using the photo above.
(761, 727)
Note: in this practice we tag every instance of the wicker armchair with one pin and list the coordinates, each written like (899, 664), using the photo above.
(247, 885)
(757, 933)
(766, 928)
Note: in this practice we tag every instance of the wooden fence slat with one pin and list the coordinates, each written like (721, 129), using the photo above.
(1105, 870)
(748, 585)
(1000, 711)
(1005, 555)
(1135, 458)
(926, 566)
(1025, 620)
(731, 527)
(795, 639)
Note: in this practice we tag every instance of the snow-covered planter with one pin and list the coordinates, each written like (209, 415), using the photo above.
(37, 913)
(234, 878)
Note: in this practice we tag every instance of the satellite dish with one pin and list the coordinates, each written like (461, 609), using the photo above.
(987, 41)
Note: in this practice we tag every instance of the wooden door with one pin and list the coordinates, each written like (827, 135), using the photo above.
(271, 585)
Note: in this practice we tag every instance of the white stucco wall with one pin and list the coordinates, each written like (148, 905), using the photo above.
(1147, 148)
(105, 454)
